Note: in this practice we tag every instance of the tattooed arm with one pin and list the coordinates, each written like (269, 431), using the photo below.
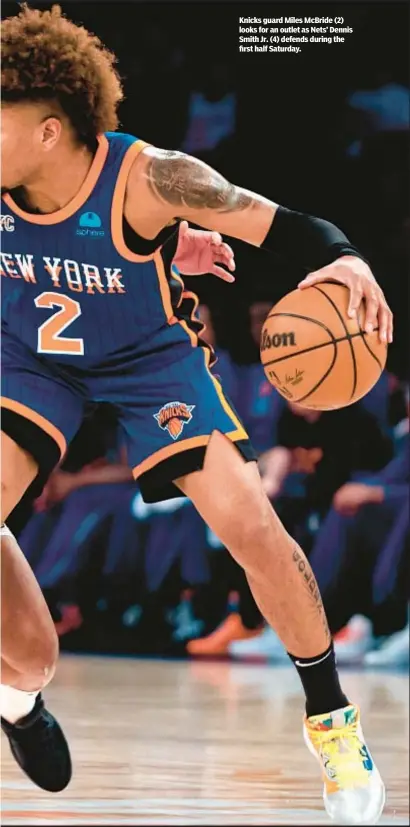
(164, 185)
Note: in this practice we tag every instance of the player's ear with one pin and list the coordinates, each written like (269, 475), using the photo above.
(51, 131)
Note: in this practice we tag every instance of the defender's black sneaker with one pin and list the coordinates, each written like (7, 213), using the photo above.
(39, 746)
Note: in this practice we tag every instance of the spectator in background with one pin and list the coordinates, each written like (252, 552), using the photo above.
(324, 449)
(382, 106)
(91, 483)
(258, 403)
(377, 401)
(361, 561)
(316, 453)
(211, 111)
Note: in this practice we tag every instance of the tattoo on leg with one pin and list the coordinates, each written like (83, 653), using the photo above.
(311, 586)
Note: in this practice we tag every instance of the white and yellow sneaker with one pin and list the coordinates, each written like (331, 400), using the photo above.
(353, 789)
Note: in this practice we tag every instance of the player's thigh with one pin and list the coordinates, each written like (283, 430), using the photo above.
(41, 411)
(29, 643)
(18, 470)
(182, 428)
(168, 410)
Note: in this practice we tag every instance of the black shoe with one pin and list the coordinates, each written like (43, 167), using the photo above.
(38, 744)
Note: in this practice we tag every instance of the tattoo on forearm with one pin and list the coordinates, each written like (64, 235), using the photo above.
(311, 586)
(184, 181)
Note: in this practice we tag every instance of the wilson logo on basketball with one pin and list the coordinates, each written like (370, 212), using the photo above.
(277, 340)
(173, 416)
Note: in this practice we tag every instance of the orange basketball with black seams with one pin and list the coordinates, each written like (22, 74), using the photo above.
(314, 354)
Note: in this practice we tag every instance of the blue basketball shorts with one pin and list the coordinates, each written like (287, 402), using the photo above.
(167, 410)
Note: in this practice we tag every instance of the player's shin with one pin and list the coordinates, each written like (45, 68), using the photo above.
(290, 601)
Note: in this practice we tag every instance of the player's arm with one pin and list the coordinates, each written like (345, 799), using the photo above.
(164, 185)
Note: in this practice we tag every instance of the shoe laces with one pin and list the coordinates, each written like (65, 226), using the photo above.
(343, 755)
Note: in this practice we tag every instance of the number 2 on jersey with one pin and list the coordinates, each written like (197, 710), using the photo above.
(49, 333)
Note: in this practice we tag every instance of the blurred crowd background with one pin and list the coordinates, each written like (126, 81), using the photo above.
(325, 132)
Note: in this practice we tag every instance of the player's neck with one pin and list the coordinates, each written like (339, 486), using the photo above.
(59, 181)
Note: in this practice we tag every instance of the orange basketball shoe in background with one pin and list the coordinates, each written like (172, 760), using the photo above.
(218, 642)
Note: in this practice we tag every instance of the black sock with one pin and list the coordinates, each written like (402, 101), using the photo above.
(320, 682)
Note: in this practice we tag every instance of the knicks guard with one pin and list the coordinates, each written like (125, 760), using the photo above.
(93, 313)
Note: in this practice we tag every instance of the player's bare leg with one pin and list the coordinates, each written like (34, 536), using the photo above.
(29, 645)
(18, 470)
(229, 496)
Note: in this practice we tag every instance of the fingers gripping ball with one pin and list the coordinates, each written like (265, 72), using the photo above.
(314, 354)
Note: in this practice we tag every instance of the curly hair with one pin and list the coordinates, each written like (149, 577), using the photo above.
(47, 57)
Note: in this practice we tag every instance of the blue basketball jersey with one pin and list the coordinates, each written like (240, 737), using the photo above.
(71, 289)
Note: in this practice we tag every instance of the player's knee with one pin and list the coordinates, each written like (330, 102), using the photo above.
(49, 653)
(48, 662)
(41, 660)
(250, 530)
(33, 652)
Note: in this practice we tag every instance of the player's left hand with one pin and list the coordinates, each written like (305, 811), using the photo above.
(203, 251)
(357, 276)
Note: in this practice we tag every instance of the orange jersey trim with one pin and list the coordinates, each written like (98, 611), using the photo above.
(117, 216)
(177, 277)
(118, 201)
(168, 451)
(208, 352)
(191, 333)
(77, 202)
(171, 450)
(187, 294)
(39, 420)
(164, 288)
(240, 432)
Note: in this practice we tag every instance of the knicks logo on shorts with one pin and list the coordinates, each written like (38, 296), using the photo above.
(173, 416)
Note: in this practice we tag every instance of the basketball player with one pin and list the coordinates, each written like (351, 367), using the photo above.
(91, 312)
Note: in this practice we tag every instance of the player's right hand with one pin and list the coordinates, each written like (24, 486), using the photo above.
(357, 276)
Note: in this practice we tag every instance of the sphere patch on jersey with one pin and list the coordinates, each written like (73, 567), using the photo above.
(91, 220)
(173, 416)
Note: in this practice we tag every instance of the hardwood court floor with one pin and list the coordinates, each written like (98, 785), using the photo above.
(157, 742)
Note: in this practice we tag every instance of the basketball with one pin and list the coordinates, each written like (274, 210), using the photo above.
(317, 356)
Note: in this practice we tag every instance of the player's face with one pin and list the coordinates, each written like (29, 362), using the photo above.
(22, 143)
